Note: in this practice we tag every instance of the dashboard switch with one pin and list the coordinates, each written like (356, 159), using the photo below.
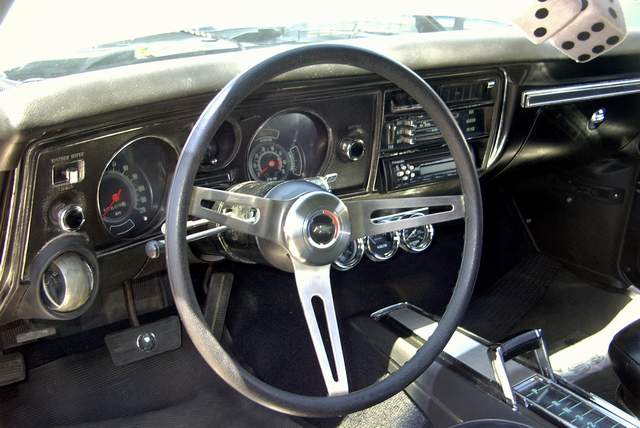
(67, 173)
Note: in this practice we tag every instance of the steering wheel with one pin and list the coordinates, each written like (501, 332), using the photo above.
(313, 227)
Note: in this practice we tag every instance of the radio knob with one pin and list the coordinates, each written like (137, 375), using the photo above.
(405, 131)
(405, 124)
(405, 140)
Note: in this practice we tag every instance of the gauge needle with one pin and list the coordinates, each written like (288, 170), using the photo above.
(270, 164)
(114, 198)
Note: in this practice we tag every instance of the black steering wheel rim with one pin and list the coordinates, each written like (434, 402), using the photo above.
(178, 208)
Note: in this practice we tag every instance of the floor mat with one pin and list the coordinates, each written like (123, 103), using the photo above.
(396, 412)
(579, 319)
(572, 309)
(173, 389)
(495, 312)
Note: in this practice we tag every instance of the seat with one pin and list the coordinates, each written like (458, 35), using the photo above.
(624, 352)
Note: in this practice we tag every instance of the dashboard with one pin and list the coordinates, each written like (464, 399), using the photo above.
(96, 185)
(119, 181)
(110, 187)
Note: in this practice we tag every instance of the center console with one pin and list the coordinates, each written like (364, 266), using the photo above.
(473, 379)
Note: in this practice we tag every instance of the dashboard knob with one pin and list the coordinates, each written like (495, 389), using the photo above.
(405, 140)
(352, 149)
(69, 218)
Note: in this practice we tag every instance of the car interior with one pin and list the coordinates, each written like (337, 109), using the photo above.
(423, 220)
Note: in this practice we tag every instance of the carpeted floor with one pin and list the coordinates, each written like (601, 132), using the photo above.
(174, 389)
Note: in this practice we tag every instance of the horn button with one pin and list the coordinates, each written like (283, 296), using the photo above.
(317, 228)
(323, 228)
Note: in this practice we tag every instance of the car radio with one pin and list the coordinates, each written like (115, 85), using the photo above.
(412, 150)
(411, 171)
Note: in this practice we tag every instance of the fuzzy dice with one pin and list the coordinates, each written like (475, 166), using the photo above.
(542, 19)
(597, 28)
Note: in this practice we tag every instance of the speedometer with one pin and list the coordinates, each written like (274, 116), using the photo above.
(132, 189)
(126, 201)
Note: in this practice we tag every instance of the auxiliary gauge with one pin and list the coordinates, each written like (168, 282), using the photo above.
(416, 239)
(351, 256)
(379, 248)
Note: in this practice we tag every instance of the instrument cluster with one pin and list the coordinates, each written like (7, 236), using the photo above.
(133, 187)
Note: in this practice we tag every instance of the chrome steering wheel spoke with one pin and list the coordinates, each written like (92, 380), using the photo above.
(264, 219)
(435, 209)
(314, 282)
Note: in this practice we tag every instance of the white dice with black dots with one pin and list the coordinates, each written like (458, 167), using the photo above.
(599, 27)
(541, 19)
(581, 29)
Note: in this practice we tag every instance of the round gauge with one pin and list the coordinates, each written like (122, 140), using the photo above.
(351, 256)
(416, 239)
(269, 162)
(287, 146)
(222, 148)
(133, 186)
(379, 248)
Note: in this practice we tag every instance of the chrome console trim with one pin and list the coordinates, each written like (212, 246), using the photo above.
(472, 354)
(498, 357)
(579, 92)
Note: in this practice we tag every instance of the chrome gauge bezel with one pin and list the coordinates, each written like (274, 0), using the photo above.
(424, 244)
(376, 257)
(237, 135)
(354, 259)
(314, 116)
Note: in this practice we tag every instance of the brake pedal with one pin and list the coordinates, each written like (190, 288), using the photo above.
(148, 340)
(12, 368)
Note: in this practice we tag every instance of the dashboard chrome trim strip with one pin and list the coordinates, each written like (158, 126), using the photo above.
(7, 272)
(499, 140)
(580, 92)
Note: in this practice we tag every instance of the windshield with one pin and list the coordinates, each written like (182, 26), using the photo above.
(42, 40)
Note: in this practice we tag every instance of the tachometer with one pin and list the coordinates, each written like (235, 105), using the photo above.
(269, 162)
(133, 186)
(289, 145)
